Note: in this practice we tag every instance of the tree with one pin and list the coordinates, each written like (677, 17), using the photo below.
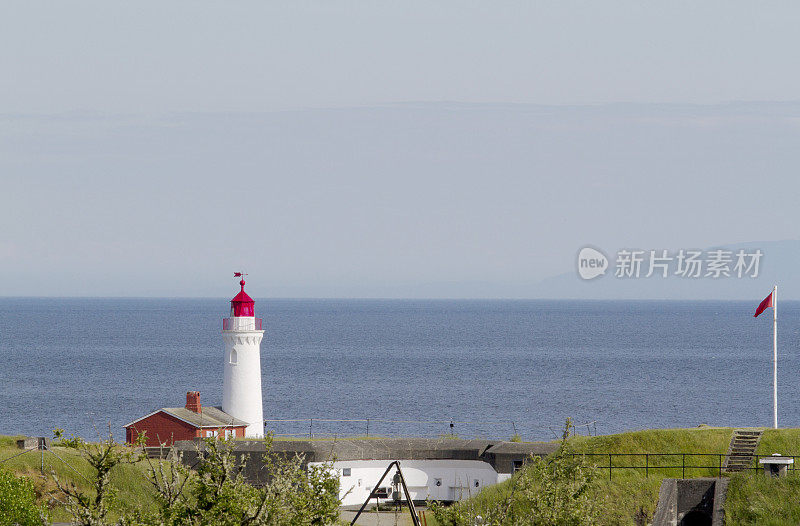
(91, 508)
(551, 491)
(18, 502)
(216, 492)
(554, 491)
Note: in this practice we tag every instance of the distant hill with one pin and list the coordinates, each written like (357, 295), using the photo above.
(777, 266)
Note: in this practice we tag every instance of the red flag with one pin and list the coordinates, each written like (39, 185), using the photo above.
(764, 305)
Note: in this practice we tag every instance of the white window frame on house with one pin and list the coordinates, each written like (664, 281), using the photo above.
(230, 433)
(212, 433)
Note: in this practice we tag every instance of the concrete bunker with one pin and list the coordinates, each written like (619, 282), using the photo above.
(691, 502)
(353, 455)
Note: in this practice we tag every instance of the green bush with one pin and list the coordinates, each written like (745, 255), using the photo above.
(18, 502)
(547, 492)
(216, 492)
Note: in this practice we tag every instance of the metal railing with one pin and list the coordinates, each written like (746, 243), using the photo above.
(385, 427)
(668, 462)
(591, 430)
(244, 323)
(355, 427)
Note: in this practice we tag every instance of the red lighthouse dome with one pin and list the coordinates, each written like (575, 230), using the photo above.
(242, 304)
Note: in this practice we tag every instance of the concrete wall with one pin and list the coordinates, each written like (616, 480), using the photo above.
(684, 502)
(499, 456)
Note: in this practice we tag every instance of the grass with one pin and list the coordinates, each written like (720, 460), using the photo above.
(133, 489)
(756, 499)
(784, 441)
(752, 498)
(675, 453)
(630, 492)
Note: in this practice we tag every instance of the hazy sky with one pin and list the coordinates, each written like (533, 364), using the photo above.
(384, 148)
(250, 56)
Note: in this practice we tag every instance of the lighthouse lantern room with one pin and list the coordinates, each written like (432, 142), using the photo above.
(241, 385)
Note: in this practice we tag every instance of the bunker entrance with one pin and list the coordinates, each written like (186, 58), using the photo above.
(691, 502)
(696, 518)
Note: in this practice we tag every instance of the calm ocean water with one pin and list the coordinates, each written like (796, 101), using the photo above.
(81, 364)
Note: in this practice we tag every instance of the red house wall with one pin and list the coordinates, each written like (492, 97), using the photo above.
(161, 428)
(164, 428)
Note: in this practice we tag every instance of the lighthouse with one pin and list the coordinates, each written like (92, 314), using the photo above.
(241, 385)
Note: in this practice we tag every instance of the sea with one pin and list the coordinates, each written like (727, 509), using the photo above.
(429, 368)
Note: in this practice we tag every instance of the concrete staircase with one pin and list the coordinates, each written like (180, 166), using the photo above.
(741, 450)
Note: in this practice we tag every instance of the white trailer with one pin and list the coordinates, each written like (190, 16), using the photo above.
(441, 480)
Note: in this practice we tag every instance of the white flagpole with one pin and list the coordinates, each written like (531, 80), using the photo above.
(775, 357)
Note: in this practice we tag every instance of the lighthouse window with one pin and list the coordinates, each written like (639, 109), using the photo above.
(345, 472)
(234, 357)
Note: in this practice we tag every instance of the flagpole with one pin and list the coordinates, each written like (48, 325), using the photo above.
(775, 357)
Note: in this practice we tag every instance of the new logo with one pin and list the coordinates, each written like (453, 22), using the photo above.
(591, 263)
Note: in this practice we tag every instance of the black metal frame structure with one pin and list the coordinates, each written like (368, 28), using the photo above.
(410, 501)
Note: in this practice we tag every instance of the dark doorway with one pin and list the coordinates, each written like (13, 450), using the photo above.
(696, 518)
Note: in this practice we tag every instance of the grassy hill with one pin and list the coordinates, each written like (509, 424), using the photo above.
(129, 481)
(631, 494)
(630, 491)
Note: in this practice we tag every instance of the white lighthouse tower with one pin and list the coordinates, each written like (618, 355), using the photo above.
(241, 385)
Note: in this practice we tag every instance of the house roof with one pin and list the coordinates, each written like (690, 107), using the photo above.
(209, 417)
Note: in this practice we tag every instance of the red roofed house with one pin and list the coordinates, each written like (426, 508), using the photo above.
(170, 424)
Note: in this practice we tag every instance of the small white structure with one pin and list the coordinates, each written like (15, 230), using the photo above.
(776, 465)
(442, 480)
(241, 384)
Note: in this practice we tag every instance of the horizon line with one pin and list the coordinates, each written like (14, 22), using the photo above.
(385, 298)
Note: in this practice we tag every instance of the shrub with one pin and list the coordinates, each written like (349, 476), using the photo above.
(553, 491)
(18, 502)
(215, 492)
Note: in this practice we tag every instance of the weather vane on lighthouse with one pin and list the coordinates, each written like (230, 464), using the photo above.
(239, 274)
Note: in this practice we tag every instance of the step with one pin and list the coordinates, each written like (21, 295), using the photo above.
(741, 450)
